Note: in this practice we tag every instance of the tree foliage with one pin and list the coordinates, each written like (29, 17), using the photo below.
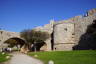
(32, 36)
(11, 42)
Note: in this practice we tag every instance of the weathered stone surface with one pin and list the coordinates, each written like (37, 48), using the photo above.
(91, 12)
(67, 33)
(63, 47)
(47, 28)
(44, 47)
(64, 34)
(80, 26)
(5, 35)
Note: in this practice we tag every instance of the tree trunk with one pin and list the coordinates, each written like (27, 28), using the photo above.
(35, 46)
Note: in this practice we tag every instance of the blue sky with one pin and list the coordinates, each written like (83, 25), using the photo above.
(17, 15)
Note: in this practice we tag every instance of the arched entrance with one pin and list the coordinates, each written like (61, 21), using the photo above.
(40, 46)
(15, 42)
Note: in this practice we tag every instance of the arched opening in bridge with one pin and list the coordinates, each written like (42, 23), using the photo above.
(40, 46)
(15, 43)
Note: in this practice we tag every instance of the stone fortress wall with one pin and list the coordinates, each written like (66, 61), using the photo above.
(67, 33)
(64, 34)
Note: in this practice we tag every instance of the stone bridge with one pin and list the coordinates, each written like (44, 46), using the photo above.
(6, 35)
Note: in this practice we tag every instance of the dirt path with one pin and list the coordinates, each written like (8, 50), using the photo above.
(19, 58)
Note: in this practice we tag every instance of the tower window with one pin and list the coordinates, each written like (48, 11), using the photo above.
(65, 29)
(73, 33)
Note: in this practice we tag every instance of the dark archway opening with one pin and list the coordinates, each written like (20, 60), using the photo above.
(88, 40)
(38, 46)
(15, 42)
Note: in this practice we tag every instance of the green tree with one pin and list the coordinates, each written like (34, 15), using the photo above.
(34, 37)
(11, 42)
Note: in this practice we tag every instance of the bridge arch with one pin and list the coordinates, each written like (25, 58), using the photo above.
(15, 41)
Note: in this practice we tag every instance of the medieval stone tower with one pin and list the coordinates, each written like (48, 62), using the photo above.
(66, 33)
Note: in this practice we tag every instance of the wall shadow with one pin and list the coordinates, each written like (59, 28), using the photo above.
(88, 40)
(52, 41)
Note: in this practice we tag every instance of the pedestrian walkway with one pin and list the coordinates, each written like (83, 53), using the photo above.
(19, 58)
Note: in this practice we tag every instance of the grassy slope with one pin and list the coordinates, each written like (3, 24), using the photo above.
(67, 57)
(3, 57)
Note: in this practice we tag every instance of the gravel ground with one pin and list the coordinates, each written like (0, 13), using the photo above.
(19, 58)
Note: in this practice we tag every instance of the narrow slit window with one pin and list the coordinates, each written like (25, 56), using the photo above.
(65, 29)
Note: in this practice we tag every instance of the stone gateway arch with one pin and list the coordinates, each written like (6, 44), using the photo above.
(6, 35)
